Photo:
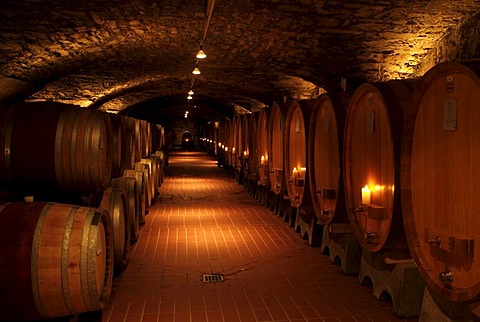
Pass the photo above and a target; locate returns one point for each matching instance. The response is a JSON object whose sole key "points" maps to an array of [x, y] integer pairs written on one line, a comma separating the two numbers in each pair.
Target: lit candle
{"points": [[366, 195], [295, 173], [226, 149], [233, 150], [244, 153], [219, 144], [262, 160]]}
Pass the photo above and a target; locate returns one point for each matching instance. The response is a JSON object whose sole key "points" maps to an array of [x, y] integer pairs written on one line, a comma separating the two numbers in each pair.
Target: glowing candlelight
{"points": [[233, 150], [295, 173], [226, 149], [302, 172], [366, 195], [244, 153], [262, 160]]}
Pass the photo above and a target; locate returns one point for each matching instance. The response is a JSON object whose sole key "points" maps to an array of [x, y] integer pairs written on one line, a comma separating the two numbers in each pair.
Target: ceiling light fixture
{"points": [[201, 54], [196, 71], [190, 92], [189, 97]]}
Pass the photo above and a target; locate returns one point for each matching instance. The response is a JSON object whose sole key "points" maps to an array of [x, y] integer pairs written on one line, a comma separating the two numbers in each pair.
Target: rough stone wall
{"points": [[113, 54], [460, 43]]}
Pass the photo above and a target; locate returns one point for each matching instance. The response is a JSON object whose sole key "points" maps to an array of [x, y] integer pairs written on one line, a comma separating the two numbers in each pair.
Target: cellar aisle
{"points": [[203, 222]]}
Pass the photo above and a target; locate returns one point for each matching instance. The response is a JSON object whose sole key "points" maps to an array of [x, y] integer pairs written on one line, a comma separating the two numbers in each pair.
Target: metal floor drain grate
{"points": [[212, 278]]}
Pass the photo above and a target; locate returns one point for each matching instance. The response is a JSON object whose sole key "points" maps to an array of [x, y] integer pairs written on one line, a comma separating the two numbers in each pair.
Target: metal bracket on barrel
{"points": [[447, 241]]}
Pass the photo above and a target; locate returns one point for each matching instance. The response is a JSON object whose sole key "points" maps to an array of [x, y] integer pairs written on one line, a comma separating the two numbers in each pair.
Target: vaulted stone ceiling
{"points": [[136, 56]]}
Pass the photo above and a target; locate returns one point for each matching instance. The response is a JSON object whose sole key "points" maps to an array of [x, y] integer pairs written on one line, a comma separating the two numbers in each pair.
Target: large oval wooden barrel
{"points": [[238, 143], [115, 202], [440, 179], [325, 158], [250, 150], [56, 259], [54, 146], [263, 146], [275, 151], [133, 207], [372, 155], [225, 139], [142, 185], [295, 154]]}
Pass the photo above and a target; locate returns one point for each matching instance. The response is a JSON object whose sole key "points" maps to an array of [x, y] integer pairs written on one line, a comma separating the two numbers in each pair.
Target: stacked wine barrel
{"points": [[86, 209]]}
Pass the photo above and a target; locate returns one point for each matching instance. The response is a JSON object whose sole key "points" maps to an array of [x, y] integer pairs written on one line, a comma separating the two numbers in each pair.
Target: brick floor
{"points": [[203, 222]]}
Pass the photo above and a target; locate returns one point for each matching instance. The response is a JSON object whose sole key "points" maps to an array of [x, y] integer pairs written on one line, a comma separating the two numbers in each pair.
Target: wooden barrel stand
{"points": [[396, 279], [342, 247]]}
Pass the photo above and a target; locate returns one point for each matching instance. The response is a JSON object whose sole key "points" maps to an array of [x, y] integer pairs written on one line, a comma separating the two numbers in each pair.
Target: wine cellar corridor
{"points": [[203, 222]]}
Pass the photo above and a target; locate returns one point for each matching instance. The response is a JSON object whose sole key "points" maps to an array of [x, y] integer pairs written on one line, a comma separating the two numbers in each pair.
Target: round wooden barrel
{"points": [[325, 158], [117, 141], [147, 174], [372, 155], [157, 169], [130, 139], [145, 138], [263, 146], [133, 207], [275, 149], [142, 185], [139, 137], [55, 146], [160, 156], [157, 137], [57, 260], [295, 154], [115, 202], [152, 171], [440, 158]]}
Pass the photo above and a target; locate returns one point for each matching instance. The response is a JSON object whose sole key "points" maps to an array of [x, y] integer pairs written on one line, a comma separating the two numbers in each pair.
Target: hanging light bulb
{"points": [[196, 71], [201, 54], [189, 97], [190, 92]]}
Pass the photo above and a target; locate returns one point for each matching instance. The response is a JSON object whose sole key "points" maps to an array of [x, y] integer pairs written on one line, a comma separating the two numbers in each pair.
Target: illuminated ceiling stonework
{"points": [[138, 55]]}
